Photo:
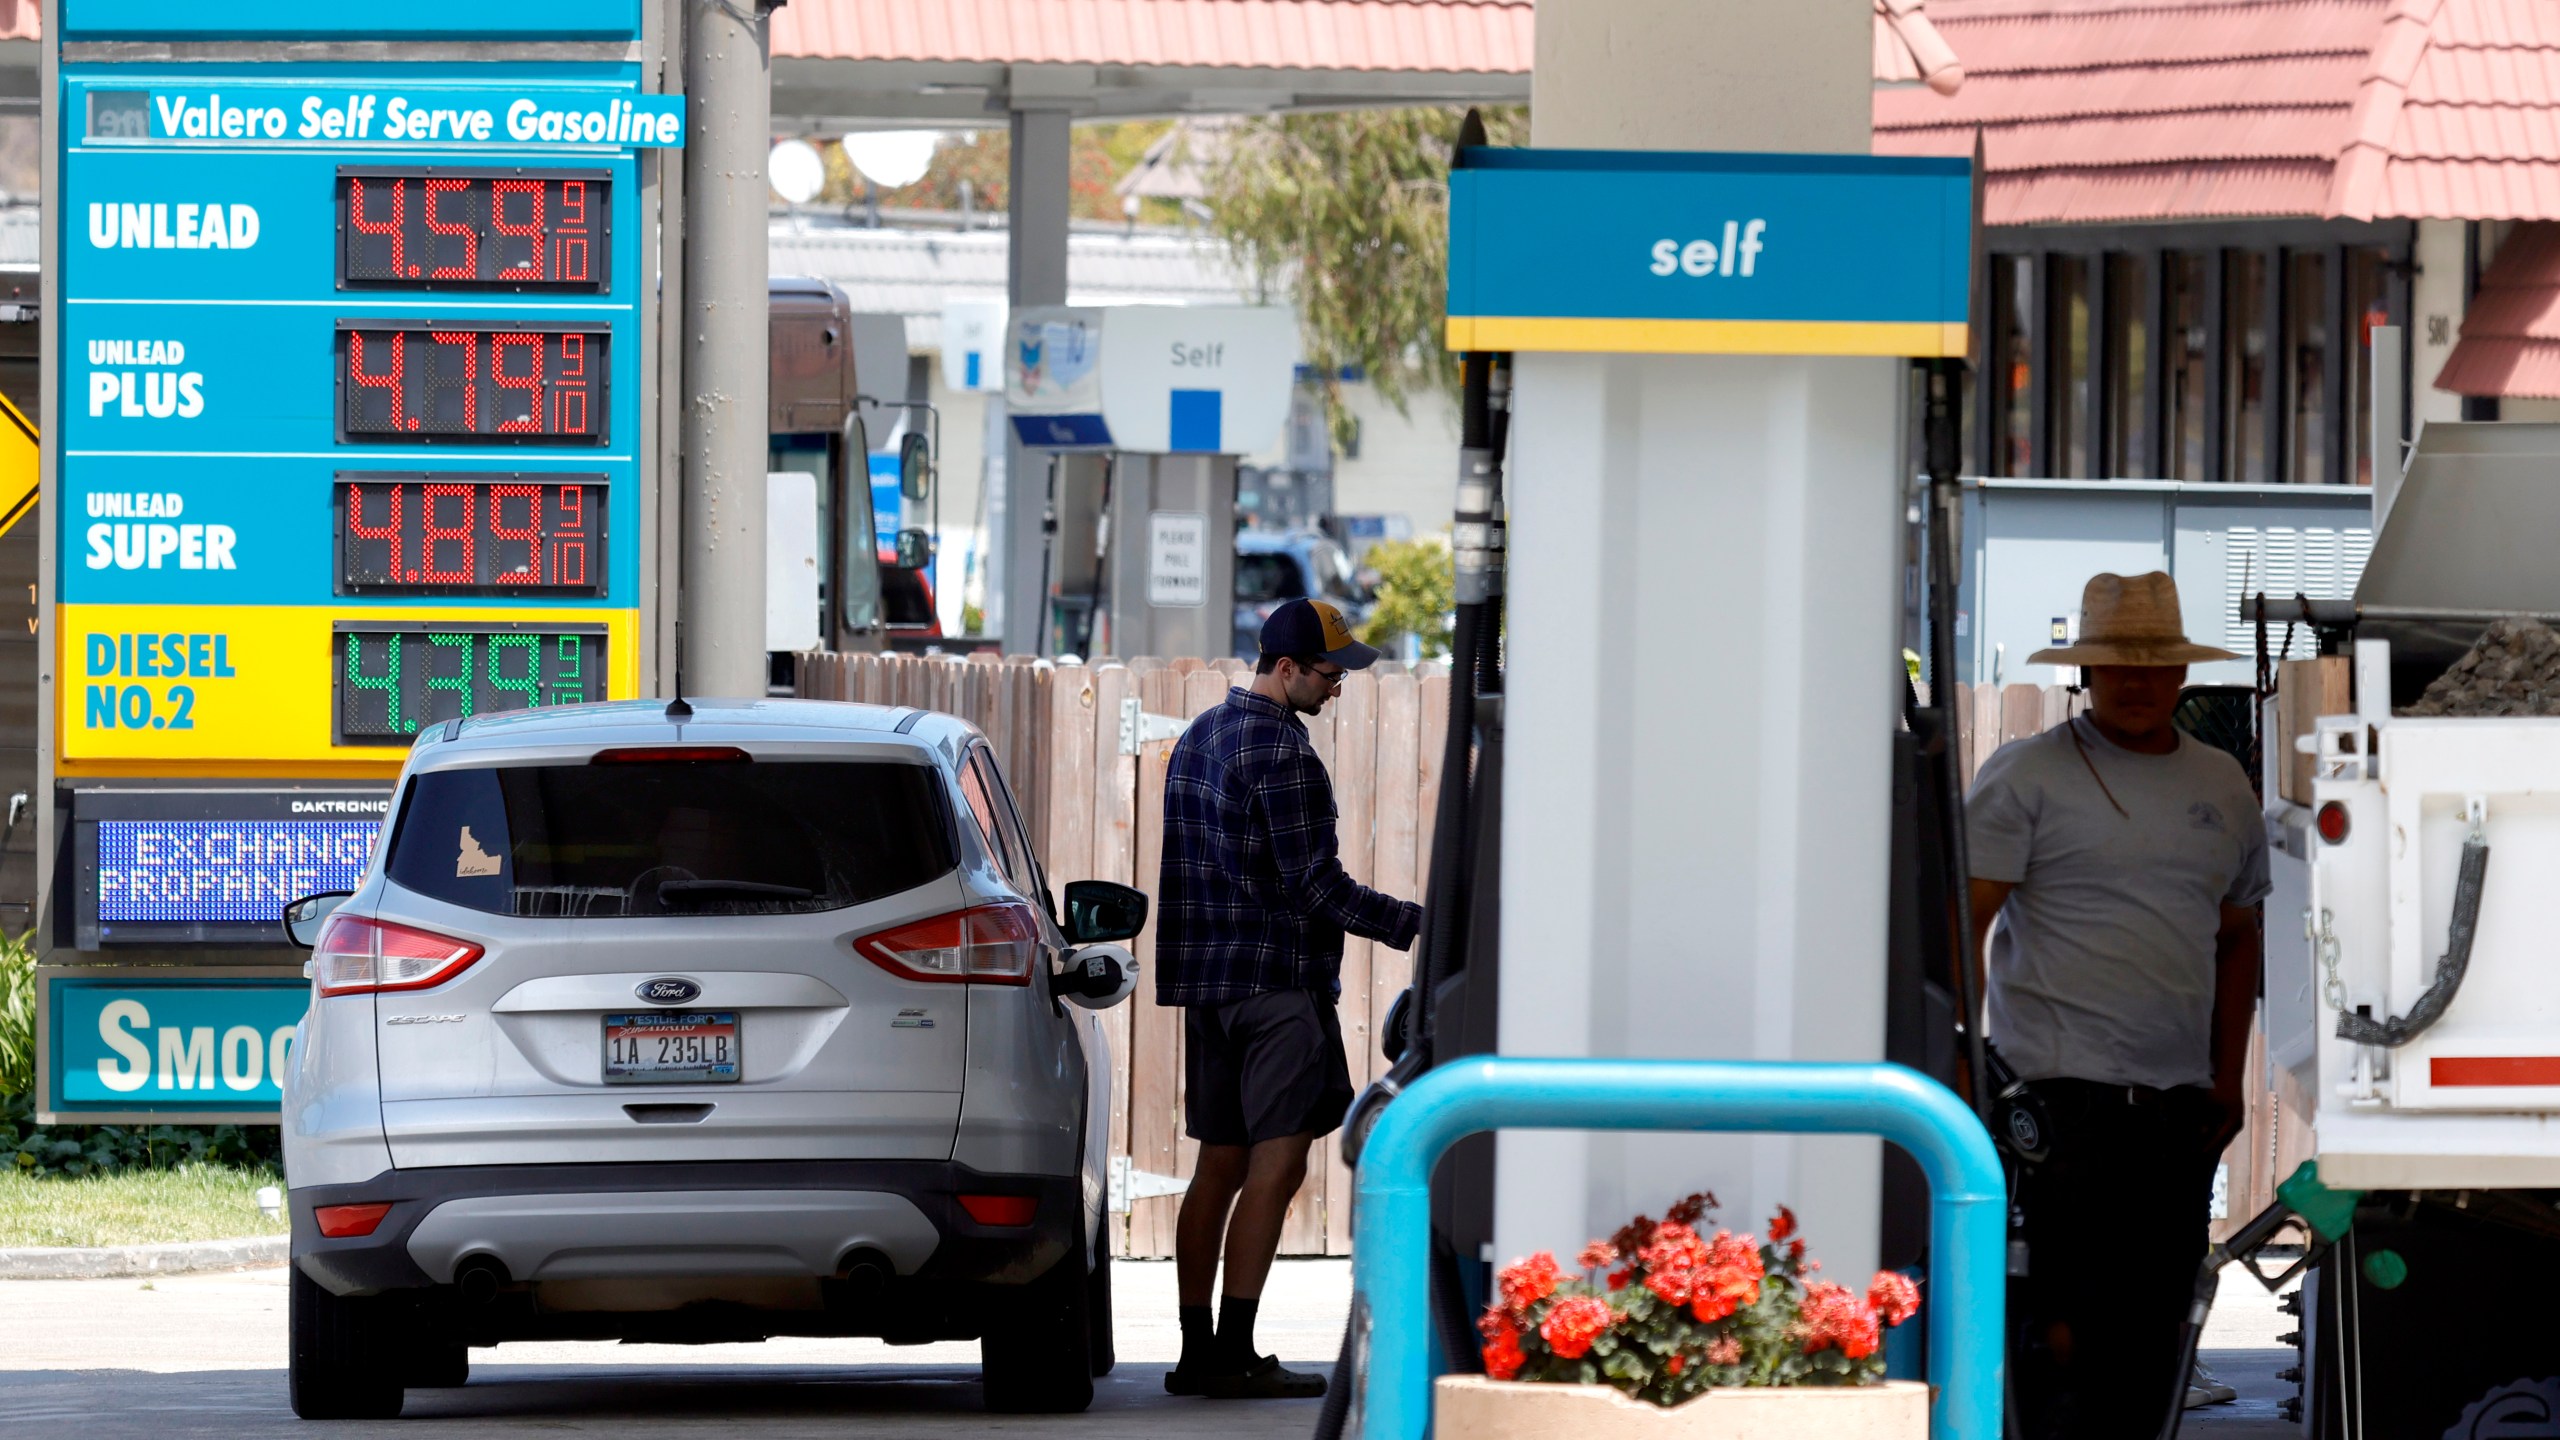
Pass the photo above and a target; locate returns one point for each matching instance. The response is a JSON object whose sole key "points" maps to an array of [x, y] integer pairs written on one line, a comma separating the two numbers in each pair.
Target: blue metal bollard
{"points": [[1391, 1241]]}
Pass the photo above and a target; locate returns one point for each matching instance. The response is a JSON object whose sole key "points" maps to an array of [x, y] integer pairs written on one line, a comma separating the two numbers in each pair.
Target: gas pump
{"points": [[1142, 413]]}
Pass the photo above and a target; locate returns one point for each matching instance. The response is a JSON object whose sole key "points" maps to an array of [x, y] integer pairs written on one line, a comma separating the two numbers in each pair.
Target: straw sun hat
{"points": [[2130, 620]]}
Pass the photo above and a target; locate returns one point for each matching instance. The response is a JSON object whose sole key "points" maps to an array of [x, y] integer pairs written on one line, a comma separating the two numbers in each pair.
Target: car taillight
{"points": [[357, 956], [996, 944], [341, 1222], [1001, 1209], [2332, 821]]}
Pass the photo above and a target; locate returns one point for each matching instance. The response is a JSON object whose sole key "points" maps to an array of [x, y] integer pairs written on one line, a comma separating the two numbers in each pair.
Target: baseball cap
{"points": [[1312, 627]]}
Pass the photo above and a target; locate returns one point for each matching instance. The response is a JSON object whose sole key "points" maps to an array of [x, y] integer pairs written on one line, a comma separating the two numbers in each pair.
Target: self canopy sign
{"points": [[1670, 253]]}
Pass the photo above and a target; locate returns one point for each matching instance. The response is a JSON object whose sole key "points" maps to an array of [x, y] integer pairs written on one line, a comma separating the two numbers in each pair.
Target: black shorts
{"points": [[1264, 1067]]}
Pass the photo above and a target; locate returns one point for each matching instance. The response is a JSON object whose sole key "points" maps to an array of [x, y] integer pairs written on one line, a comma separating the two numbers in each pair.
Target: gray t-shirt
{"points": [[2102, 967]]}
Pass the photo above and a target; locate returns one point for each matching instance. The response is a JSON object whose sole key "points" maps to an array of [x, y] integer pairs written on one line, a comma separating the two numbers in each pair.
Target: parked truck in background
{"points": [[2412, 989]]}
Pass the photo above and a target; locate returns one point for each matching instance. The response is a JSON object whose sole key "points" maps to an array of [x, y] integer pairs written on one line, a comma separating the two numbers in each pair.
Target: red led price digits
{"points": [[378, 225], [529, 533], [489, 385], [465, 499], [427, 534], [568, 554], [515, 229], [389, 380], [528, 194], [469, 269]]}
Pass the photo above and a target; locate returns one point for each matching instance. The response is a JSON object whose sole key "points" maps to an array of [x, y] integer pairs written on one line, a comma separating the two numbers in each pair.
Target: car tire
{"points": [[1037, 1356], [1106, 1352], [335, 1367]]}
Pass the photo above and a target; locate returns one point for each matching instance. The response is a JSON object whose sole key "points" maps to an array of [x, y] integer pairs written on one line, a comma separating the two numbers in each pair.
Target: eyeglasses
{"points": [[1329, 677]]}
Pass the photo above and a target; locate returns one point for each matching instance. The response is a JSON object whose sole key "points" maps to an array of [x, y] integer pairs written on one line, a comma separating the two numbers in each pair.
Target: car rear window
{"points": [[672, 838]]}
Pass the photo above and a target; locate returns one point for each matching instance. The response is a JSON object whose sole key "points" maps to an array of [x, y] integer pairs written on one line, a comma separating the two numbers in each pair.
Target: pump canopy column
{"points": [[1701, 657]]}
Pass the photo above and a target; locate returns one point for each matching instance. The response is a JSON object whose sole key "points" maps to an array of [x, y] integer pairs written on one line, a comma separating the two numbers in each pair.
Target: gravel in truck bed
{"points": [[2512, 669]]}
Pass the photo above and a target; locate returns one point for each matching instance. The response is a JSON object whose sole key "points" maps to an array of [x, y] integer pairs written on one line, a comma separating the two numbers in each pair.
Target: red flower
{"points": [[1690, 1209], [1893, 1296], [1677, 1363], [1502, 1357], [1672, 1261], [1526, 1282], [1729, 1279], [1795, 1249], [1573, 1324], [1618, 1278], [1782, 1225], [1598, 1255], [1833, 1316], [1724, 1350]]}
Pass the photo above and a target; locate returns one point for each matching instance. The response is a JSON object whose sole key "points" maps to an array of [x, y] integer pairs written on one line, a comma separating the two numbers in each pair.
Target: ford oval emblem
{"points": [[668, 990]]}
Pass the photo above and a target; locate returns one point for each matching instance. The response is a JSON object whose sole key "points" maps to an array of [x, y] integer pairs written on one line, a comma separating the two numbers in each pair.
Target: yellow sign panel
{"points": [[312, 690], [18, 466]]}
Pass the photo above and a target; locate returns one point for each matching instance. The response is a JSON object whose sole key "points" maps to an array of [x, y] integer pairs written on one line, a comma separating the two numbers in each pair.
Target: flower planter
{"points": [[1479, 1409]]}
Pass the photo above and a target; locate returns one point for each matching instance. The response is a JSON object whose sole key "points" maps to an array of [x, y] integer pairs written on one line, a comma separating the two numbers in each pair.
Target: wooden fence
{"points": [[2277, 1137], [1097, 813]]}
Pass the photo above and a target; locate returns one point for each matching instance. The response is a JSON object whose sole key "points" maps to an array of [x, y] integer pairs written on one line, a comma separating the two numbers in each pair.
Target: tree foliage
{"points": [[1098, 157], [1347, 214], [1417, 591]]}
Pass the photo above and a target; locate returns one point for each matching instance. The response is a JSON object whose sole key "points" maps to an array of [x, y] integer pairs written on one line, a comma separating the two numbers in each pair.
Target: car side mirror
{"points": [[915, 467], [1096, 977], [1099, 910], [304, 917], [915, 549]]}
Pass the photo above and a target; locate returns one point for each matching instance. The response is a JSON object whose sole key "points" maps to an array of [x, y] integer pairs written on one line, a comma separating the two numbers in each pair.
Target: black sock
{"points": [[1199, 1340], [1235, 1329]]}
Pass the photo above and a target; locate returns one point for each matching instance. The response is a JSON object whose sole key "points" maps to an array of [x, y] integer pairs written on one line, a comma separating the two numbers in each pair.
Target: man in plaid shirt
{"points": [[1251, 908]]}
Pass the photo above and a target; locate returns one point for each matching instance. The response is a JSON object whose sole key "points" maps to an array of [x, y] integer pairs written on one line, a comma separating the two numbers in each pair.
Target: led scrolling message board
{"points": [[486, 384]]}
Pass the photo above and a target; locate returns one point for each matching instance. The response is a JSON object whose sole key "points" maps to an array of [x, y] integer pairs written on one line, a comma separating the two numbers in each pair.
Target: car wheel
{"points": [[338, 1346], [1098, 1307], [1037, 1357]]}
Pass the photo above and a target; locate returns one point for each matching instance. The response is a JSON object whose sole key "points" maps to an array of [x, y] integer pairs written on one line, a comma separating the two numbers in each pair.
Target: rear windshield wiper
{"points": [[743, 889]]}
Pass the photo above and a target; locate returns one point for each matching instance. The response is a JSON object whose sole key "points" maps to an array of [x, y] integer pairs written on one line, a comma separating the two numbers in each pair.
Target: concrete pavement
{"points": [[203, 1355]]}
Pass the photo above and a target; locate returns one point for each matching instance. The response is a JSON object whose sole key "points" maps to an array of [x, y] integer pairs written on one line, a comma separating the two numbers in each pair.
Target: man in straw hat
{"points": [[2124, 863]]}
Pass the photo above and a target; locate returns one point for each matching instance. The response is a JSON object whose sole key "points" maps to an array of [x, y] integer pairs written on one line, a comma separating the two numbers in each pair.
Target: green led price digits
{"points": [[397, 678]]}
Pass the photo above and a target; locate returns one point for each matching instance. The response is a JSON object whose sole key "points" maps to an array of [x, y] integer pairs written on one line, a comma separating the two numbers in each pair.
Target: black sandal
{"points": [[1262, 1380]]}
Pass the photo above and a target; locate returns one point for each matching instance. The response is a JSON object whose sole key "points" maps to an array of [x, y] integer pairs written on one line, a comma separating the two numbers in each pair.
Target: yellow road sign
{"points": [[17, 466]]}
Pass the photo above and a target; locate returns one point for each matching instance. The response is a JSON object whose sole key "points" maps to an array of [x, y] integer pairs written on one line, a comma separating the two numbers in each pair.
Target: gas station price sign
{"points": [[434, 227], [397, 677], [501, 383], [464, 533]]}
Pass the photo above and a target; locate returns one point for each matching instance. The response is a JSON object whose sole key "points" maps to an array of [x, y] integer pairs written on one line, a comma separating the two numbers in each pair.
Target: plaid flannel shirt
{"points": [[1252, 895]]}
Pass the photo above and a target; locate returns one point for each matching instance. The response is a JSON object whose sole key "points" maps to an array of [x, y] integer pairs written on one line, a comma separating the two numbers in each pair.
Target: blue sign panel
{"points": [[120, 1042], [199, 870], [1599, 250], [329, 19]]}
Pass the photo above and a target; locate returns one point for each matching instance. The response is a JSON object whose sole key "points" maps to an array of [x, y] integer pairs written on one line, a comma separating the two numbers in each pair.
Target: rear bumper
{"points": [[761, 1219]]}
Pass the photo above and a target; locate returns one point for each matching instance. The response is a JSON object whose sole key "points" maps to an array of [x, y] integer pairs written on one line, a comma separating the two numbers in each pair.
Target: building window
{"points": [[2128, 338], [2182, 431], [2244, 368], [2306, 367], [2368, 306], [2012, 365], [2074, 401]]}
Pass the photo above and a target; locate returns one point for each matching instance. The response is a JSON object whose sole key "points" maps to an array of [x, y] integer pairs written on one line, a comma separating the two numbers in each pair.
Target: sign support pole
{"points": [[728, 84]]}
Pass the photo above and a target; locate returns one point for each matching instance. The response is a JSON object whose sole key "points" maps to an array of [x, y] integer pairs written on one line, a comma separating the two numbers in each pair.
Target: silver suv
{"points": [[689, 1025]]}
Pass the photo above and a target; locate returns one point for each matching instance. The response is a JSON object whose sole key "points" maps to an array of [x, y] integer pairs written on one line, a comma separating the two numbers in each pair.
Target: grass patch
{"points": [[135, 1207]]}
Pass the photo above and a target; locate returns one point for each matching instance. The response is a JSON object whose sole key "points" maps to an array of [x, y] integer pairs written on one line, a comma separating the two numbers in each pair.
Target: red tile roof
{"points": [[20, 20], [1480, 36], [2172, 109], [2511, 334]]}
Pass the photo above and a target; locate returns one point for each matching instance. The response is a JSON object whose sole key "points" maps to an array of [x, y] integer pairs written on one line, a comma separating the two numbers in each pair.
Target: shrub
{"points": [[1417, 594]]}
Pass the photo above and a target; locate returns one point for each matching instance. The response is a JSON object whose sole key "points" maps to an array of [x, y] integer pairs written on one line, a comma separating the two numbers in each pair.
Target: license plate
{"points": [[671, 1047]]}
